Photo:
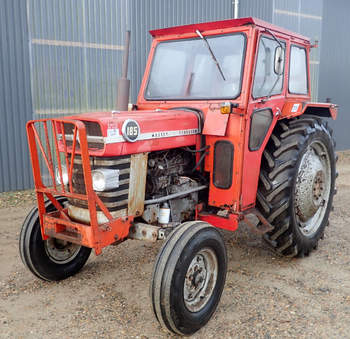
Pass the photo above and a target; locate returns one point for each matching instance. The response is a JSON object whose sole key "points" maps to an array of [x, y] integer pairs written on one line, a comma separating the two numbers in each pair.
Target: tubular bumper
{"points": [[46, 148]]}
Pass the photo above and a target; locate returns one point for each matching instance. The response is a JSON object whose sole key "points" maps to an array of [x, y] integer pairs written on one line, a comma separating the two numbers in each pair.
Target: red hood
{"points": [[158, 130]]}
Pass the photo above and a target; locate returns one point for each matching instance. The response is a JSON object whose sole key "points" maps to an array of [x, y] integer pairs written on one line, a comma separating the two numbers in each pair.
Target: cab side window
{"points": [[266, 81], [298, 70]]}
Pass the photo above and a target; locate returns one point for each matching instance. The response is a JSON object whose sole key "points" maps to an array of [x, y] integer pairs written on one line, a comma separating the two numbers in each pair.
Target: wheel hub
{"points": [[61, 251], [200, 279], [312, 188], [195, 277], [309, 186], [318, 187]]}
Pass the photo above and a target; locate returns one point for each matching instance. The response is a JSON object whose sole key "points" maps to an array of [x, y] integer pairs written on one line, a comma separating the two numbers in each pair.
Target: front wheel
{"points": [[51, 259], [189, 277]]}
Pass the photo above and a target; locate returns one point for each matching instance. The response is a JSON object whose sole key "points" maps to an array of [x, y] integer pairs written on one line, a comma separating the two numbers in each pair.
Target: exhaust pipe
{"points": [[123, 84]]}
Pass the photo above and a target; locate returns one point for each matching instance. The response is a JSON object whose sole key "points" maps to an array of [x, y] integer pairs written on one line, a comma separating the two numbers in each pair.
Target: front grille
{"points": [[93, 132], [115, 199]]}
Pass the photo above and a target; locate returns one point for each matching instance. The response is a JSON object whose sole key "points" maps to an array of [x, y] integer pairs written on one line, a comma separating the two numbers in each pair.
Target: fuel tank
{"points": [[129, 132]]}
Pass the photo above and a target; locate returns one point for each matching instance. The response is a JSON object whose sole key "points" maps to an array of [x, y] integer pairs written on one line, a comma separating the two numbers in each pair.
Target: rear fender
{"points": [[323, 110], [320, 109]]}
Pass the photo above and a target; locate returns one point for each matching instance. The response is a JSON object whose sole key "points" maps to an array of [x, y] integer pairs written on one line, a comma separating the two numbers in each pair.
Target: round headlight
{"points": [[64, 175], [98, 181], [105, 179]]}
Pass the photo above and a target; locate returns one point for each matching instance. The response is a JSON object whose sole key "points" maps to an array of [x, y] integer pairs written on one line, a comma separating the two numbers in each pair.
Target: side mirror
{"points": [[279, 60]]}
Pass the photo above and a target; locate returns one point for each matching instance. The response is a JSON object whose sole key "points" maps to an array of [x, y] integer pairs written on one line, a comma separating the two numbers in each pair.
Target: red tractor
{"points": [[223, 127]]}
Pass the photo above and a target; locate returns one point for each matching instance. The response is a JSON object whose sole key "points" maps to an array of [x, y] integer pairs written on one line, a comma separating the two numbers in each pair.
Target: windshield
{"points": [[185, 69]]}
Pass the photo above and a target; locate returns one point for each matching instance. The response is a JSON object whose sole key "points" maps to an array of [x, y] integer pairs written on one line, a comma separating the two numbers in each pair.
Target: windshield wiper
{"points": [[211, 53], [274, 37], [273, 87]]}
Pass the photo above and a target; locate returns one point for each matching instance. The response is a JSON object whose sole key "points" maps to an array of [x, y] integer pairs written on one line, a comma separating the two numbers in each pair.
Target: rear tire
{"points": [[296, 184], [188, 277], [50, 259]]}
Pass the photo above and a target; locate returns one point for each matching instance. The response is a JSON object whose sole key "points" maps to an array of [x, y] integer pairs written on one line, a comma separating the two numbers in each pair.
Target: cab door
{"points": [[265, 105]]}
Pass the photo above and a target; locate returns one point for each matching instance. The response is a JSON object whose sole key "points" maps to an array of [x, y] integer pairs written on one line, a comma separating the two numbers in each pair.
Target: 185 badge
{"points": [[130, 130]]}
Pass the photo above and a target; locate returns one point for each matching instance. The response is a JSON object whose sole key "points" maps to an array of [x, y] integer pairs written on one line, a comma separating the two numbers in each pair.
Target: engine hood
{"points": [[130, 132]]}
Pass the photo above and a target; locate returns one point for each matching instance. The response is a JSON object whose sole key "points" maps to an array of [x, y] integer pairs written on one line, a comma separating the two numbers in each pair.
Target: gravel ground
{"points": [[265, 296]]}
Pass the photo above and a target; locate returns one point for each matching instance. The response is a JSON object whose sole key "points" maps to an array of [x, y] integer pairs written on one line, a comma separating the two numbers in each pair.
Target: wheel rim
{"points": [[312, 189], [61, 251], [200, 279]]}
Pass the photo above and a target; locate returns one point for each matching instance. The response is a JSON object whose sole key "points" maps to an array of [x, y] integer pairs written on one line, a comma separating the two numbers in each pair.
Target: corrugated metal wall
{"points": [[261, 9], [76, 46], [76, 53], [15, 96], [335, 66]]}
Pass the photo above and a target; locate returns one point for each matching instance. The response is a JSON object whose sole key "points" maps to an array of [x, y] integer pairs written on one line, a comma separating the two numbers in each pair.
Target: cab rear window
{"points": [[298, 70]]}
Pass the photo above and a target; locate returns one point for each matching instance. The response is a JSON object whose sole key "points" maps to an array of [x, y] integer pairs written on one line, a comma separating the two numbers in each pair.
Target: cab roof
{"points": [[206, 26]]}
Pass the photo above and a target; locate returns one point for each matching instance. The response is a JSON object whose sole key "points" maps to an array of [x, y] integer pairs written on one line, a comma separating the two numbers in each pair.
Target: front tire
{"points": [[51, 259], [296, 185], [188, 277]]}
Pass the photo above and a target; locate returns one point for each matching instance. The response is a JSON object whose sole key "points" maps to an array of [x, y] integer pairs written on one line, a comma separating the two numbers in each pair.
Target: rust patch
{"points": [[141, 231], [137, 183]]}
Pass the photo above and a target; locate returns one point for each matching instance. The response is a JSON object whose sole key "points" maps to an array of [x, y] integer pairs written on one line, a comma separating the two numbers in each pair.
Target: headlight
{"points": [[64, 175], [105, 179]]}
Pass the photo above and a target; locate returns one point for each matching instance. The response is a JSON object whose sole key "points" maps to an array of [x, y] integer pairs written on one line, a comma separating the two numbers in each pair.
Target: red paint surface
{"points": [[230, 223], [206, 26], [149, 122]]}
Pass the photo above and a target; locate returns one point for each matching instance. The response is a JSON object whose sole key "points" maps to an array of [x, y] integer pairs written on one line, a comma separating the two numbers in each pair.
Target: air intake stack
{"points": [[123, 84]]}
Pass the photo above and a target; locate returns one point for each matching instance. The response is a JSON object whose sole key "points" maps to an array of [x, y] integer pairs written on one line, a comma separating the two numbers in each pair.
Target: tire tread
{"points": [[276, 180]]}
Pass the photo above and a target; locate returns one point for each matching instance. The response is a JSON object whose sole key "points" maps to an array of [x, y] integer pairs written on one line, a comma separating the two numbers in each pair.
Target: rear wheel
{"points": [[51, 259], [296, 185], [188, 277]]}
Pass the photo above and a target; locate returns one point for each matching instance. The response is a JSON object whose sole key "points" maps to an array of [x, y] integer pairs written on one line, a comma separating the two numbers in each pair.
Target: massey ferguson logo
{"points": [[165, 134], [159, 134], [130, 130]]}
